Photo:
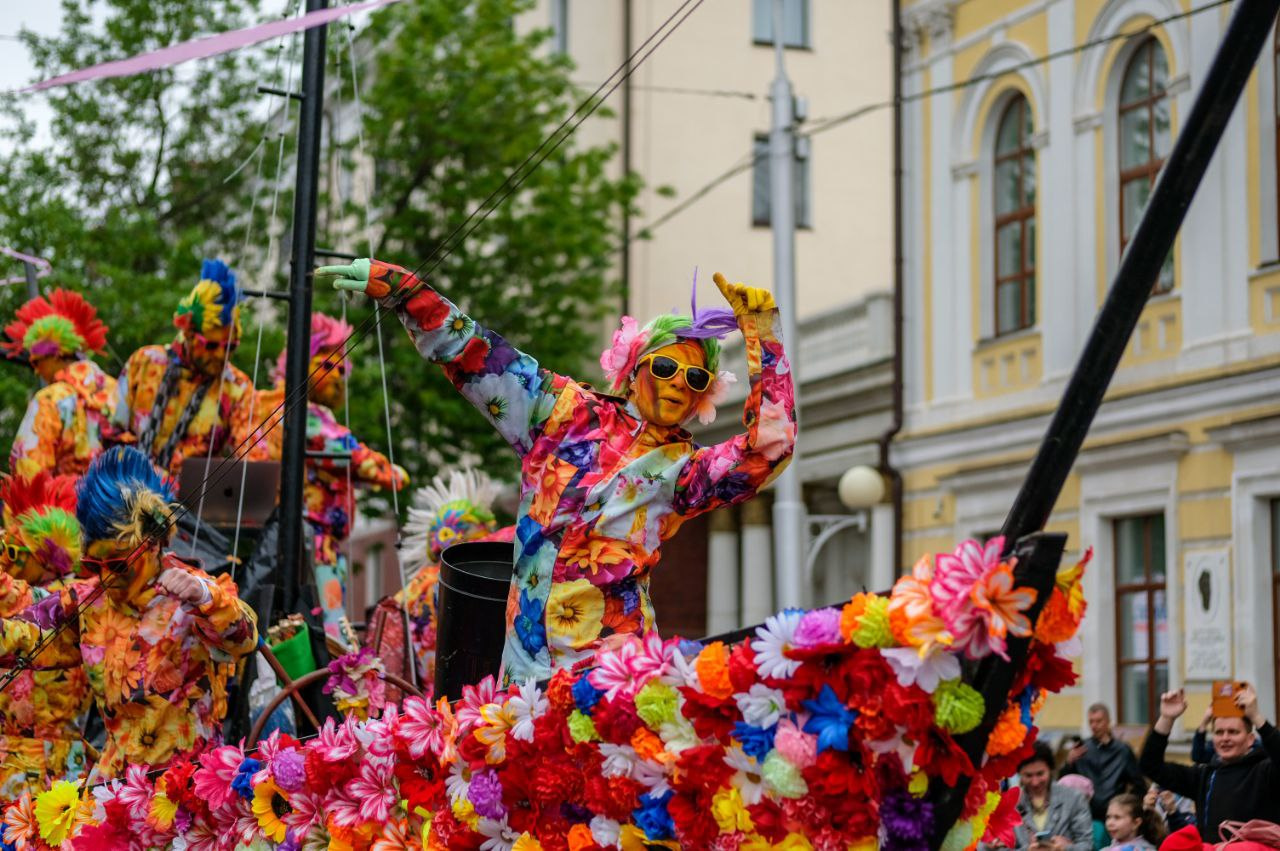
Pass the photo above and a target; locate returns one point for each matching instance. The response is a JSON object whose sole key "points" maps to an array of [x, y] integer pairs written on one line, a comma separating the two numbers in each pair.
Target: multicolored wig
{"points": [[707, 328], [444, 514], [40, 513], [122, 497], [63, 325], [327, 333], [212, 303]]}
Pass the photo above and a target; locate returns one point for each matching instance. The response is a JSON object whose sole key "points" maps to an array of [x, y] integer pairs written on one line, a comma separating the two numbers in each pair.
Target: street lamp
{"points": [[860, 489]]}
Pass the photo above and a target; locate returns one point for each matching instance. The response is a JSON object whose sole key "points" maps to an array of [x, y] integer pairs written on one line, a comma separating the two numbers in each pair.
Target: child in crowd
{"points": [[1131, 827]]}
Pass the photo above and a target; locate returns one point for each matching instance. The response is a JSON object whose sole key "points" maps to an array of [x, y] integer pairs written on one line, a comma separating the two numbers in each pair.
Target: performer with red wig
{"points": [[67, 419], [346, 463]]}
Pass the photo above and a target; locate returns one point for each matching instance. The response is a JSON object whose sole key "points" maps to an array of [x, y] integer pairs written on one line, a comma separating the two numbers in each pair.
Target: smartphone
{"points": [[1043, 836], [1224, 699]]}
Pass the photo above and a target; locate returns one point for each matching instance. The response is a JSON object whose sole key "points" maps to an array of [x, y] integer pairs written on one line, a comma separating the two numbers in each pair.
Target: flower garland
{"points": [[822, 732], [355, 681]]}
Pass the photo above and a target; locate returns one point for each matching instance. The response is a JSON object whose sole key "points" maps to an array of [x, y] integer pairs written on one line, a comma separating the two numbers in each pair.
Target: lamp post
{"points": [[861, 489]]}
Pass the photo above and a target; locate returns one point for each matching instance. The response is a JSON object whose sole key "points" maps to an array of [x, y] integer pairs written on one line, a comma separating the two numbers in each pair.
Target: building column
{"points": [[757, 561], [722, 572], [882, 572]]}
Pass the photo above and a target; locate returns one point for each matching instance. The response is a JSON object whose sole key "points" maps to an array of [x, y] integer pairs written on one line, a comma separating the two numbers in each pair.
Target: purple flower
{"points": [[818, 627], [289, 768], [907, 822], [485, 793]]}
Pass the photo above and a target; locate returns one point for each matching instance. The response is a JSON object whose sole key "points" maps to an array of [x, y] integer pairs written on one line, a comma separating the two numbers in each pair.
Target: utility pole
{"points": [[291, 572], [788, 503], [33, 287]]}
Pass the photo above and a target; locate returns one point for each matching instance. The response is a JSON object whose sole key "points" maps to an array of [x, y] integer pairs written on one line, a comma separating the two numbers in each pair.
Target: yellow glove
{"points": [[744, 299]]}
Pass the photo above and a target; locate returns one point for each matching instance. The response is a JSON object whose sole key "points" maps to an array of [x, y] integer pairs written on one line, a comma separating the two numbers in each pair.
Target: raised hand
{"points": [[1173, 704], [184, 586], [744, 299], [1247, 700], [353, 277]]}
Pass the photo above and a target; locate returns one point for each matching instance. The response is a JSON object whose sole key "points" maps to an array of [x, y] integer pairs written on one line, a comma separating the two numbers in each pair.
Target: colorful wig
{"points": [[444, 514], [64, 325], [122, 497], [213, 303], [40, 513], [631, 343], [327, 333]]}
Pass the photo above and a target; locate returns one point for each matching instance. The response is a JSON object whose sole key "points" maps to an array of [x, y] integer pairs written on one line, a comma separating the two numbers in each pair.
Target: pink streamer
{"points": [[201, 48], [43, 267]]}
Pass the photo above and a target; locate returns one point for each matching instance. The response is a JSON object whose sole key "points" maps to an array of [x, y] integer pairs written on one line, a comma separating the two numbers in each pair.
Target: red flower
{"points": [[428, 309], [473, 354], [1005, 818], [742, 666], [710, 716], [694, 825], [907, 706], [769, 820], [560, 691], [836, 775], [614, 797], [323, 777], [420, 784], [942, 757], [616, 721], [701, 769], [113, 833], [556, 781]]}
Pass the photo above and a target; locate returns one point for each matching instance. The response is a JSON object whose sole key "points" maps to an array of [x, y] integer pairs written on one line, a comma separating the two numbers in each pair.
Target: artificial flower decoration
{"points": [[355, 681], [63, 325], [814, 734]]}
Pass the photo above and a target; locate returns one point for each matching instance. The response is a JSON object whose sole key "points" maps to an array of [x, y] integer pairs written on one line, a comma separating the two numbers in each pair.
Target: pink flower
{"points": [[799, 748], [374, 788], [819, 628], [615, 672], [421, 728], [218, 768], [619, 360], [307, 810], [137, 792], [344, 809], [957, 573], [383, 732], [474, 697], [334, 743], [714, 397], [653, 657]]}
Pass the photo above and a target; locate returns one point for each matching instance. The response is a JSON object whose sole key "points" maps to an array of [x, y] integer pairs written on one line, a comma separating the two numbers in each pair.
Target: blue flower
{"points": [[831, 720], [585, 695], [755, 741], [1024, 700], [652, 816], [529, 534], [243, 782], [529, 627]]}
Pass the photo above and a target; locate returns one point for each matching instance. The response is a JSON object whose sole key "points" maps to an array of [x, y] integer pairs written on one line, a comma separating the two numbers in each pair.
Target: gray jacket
{"points": [[1068, 816]]}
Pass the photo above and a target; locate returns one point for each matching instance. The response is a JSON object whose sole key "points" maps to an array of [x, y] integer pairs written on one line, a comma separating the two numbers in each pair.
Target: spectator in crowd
{"points": [[1176, 810], [1243, 783], [1084, 786], [1107, 761], [1054, 817], [1133, 826]]}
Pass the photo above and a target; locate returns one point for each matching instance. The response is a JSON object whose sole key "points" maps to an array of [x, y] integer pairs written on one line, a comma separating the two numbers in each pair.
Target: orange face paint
{"points": [[668, 401]]}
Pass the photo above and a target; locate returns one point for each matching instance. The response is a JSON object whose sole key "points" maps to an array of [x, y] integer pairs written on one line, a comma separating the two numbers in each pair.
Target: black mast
{"points": [[291, 569]]}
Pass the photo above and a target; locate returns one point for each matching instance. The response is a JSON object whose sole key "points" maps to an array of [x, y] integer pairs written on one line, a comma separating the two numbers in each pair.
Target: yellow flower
{"points": [[269, 805], [498, 719], [526, 843], [730, 813], [575, 613], [870, 843], [56, 811], [163, 812], [794, 842]]}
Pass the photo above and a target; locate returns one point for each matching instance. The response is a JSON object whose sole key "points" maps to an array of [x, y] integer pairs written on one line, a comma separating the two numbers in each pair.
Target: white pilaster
{"points": [[757, 562], [722, 574]]}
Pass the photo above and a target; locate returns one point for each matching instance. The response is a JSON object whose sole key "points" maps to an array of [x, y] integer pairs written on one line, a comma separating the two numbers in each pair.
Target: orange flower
{"points": [[1004, 604], [648, 746], [851, 614], [580, 838], [1009, 733], [20, 822], [911, 599], [712, 666], [552, 481]]}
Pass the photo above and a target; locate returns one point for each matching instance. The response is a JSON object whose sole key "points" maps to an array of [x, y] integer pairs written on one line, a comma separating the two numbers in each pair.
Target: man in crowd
{"points": [[1243, 783], [1108, 762]]}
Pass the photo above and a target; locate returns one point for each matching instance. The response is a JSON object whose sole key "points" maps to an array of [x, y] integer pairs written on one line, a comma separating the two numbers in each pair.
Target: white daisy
{"points": [[925, 670], [458, 781], [526, 706], [748, 780], [761, 706], [500, 837], [773, 640], [619, 760]]}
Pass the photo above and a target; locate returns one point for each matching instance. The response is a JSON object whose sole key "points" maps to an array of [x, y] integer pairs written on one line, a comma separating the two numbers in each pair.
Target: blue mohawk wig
{"points": [[220, 273], [123, 497]]}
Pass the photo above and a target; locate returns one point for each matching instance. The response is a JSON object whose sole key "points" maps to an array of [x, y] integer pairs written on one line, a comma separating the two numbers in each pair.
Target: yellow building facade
{"points": [[1033, 130]]}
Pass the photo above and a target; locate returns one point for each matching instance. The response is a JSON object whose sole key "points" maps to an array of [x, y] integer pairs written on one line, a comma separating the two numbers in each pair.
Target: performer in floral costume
{"points": [[42, 710], [604, 479], [443, 514], [329, 489], [180, 399], [67, 419], [159, 637]]}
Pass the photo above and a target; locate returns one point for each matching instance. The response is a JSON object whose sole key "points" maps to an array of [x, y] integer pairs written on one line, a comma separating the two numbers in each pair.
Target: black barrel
{"points": [[474, 580]]}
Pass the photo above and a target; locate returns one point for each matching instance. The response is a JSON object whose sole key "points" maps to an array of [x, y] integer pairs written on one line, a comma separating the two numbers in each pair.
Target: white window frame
{"points": [[762, 23]]}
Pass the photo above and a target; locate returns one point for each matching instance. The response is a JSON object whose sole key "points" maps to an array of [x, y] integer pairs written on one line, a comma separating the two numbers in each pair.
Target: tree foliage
{"points": [[457, 99]]}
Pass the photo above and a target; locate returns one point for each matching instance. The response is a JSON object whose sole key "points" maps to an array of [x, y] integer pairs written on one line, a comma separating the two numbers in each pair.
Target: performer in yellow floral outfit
{"points": [[604, 479], [345, 462], [42, 710], [159, 637], [179, 400], [68, 418]]}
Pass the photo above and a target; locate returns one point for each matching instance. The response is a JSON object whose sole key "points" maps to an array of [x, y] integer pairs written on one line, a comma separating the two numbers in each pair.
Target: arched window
{"points": [[1015, 219], [1145, 139]]}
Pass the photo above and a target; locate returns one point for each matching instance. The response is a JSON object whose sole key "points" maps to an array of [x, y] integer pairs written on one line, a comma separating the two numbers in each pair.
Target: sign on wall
{"points": [[1206, 594]]}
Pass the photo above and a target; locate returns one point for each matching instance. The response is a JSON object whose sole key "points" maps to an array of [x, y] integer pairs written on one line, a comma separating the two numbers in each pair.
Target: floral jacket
{"points": [[158, 667], [42, 710], [223, 415], [601, 488], [65, 423], [329, 496]]}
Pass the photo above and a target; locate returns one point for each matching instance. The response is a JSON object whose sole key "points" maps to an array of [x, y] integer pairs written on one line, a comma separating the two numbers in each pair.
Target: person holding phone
{"points": [[1242, 784], [1054, 817]]}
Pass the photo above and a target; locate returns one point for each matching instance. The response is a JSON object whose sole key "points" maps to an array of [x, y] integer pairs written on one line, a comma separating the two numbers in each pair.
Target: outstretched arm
{"points": [[506, 385], [732, 472]]}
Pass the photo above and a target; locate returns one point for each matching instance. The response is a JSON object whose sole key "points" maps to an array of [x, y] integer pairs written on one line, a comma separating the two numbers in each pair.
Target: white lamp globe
{"points": [[861, 487]]}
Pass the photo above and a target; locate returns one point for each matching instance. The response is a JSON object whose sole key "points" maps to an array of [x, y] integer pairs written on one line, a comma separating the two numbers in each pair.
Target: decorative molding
{"points": [[1040, 140], [1247, 434], [960, 171], [1085, 123], [1130, 453], [935, 18], [1179, 84]]}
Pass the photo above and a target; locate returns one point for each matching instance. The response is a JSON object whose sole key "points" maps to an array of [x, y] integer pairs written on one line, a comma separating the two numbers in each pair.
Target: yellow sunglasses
{"points": [[661, 366]]}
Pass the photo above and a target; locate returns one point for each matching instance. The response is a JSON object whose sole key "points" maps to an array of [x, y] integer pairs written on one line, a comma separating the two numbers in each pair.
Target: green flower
{"points": [[656, 704]]}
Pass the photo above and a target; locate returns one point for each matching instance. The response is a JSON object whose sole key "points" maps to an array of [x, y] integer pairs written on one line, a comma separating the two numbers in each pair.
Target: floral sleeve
{"points": [[122, 417], [368, 465], [506, 385], [734, 471], [35, 446], [225, 623]]}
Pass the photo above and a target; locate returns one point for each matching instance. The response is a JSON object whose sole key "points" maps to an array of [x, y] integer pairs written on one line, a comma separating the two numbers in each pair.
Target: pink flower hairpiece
{"points": [[619, 360]]}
